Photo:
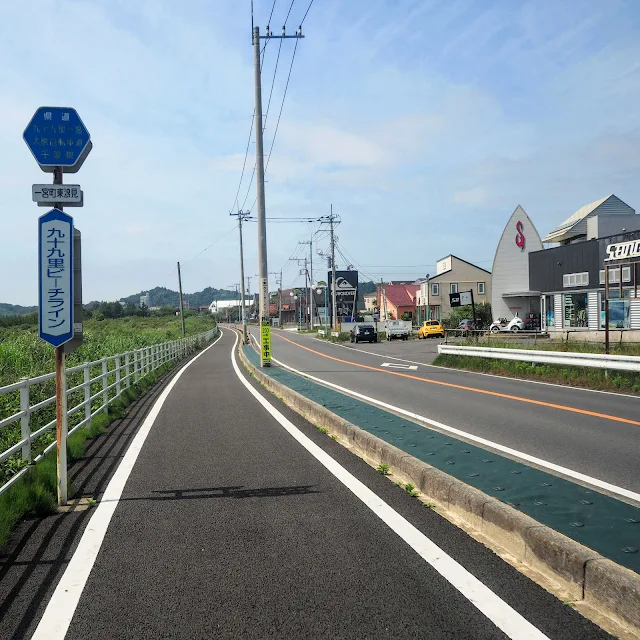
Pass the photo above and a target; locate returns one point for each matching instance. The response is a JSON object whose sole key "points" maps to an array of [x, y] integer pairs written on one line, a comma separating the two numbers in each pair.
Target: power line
{"points": [[286, 86], [289, 12], [224, 235], [273, 6], [273, 81], [305, 13], [246, 153], [275, 133]]}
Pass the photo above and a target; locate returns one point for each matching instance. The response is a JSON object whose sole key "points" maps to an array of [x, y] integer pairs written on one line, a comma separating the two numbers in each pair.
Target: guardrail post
{"points": [[87, 392], [135, 366], [127, 370], [25, 428], [118, 387], [105, 384]]}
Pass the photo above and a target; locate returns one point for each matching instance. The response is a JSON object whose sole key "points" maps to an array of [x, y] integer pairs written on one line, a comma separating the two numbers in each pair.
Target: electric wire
{"points": [[306, 12], [246, 154]]}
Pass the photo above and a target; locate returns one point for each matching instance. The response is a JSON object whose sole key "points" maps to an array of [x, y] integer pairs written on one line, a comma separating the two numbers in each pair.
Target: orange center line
{"points": [[451, 385]]}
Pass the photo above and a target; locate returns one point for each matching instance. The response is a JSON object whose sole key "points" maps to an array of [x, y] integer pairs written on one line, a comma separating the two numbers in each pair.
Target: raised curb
{"points": [[581, 572]]}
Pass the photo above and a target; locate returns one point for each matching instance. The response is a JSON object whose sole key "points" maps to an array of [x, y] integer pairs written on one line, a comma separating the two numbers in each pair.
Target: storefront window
{"points": [[549, 311], [619, 310], [575, 310]]}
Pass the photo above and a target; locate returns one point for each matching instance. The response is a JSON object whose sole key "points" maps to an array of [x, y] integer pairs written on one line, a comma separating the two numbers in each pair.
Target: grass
{"points": [[585, 377], [411, 490], [383, 469], [35, 494], [24, 355]]}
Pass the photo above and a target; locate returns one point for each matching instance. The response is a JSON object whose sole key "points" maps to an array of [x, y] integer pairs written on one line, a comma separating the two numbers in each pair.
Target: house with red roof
{"points": [[401, 297]]}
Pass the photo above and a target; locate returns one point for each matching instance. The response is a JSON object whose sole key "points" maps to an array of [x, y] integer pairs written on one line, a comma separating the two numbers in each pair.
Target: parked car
{"points": [[396, 329], [502, 324], [468, 326], [364, 333], [430, 328]]}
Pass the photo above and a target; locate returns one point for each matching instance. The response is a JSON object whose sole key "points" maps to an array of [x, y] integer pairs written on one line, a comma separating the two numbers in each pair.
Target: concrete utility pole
{"points": [[184, 331], [333, 272], [263, 270], [262, 223], [310, 274], [242, 216]]}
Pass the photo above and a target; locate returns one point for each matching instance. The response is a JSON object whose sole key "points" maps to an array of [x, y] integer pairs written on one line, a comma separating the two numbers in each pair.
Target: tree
{"points": [[457, 314]]}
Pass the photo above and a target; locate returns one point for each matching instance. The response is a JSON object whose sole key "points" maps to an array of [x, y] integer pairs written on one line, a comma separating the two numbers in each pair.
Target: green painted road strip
{"points": [[608, 526]]}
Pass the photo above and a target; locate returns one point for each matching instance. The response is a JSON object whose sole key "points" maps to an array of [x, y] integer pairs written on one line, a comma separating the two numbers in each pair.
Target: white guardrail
{"points": [[594, 360], [116, 374]]}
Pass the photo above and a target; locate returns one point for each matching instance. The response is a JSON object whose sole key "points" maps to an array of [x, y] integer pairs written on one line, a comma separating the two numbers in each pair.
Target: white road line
{"points": [[481, 373], [404, 367], [487, 602], [570, 473], [59, 612]]}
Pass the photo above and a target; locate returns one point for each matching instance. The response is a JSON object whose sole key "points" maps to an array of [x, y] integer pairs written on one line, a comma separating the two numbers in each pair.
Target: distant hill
{"points": [[15, 309], [163, 297]]}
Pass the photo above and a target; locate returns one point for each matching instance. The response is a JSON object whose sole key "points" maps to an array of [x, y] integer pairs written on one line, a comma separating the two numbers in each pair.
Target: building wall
{"points": [[466, 276], [547, 267], [510, 271]]}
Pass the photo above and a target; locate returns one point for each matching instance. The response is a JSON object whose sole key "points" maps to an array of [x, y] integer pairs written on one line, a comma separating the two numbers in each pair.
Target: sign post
{"points": [[265, 325], [266, 344], [463, 299], [60, 143]]}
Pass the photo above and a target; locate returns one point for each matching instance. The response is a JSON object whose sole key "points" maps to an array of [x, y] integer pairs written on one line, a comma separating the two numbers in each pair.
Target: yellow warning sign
{"points": [[266, 343]]}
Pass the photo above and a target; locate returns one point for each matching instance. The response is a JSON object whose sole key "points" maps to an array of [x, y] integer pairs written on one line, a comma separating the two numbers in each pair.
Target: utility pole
{"points": [[332, 220], [262, 224], [184, 331], [242, 216], [310, 274], [279, 283]]}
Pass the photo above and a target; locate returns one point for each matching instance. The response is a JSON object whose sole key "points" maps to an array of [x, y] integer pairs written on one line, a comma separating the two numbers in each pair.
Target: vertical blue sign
{"points": [[55, 277]]}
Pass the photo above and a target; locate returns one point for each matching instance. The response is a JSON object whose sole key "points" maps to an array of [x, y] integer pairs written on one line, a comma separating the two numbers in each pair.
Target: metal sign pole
{"points": [[61, 401], [59, 142], [606, 309]]}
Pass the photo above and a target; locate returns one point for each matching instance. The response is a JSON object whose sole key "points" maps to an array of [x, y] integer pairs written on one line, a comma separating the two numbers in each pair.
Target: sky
{"points": [[424, 123]]}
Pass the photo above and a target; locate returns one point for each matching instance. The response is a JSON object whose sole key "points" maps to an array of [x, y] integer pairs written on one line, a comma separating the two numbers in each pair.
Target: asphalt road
{"points": [[228, 527], [578, 429]]}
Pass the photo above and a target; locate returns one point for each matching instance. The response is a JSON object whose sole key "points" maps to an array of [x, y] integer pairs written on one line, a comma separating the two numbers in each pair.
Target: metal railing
{"points": [[88, 394], [593, 360]]}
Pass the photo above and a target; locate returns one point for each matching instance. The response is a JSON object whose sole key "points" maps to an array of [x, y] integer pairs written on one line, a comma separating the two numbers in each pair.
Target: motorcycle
{"points": [[503, 324]]}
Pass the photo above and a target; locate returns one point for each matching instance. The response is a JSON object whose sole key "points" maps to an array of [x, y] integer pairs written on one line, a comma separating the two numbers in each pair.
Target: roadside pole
{"points": [[334, 318], [473, 309], [62, 427], [242, 216], [60, 143], [184, 331]]}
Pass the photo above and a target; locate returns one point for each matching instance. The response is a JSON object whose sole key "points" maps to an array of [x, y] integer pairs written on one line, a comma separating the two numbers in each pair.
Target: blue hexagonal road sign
{"points": [[58, 138]]}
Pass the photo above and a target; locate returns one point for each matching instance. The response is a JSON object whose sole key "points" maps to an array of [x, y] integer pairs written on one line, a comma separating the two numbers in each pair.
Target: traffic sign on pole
{"points": [[55, 277], [57, 137], [67, 195]]}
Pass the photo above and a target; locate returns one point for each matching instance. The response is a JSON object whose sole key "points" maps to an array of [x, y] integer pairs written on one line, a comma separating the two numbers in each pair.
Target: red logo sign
{"points": [[520, 236]]}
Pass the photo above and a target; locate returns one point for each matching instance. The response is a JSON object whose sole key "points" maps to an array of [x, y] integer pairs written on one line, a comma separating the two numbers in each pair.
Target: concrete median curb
{"points": [[580, 573]]}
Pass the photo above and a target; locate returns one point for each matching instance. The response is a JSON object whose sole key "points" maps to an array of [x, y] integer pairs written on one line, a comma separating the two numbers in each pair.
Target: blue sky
{"points": [[423, 122]]}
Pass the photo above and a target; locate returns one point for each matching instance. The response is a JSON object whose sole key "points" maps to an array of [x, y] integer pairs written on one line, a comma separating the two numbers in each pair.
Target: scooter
{"points": [[503, 324]]}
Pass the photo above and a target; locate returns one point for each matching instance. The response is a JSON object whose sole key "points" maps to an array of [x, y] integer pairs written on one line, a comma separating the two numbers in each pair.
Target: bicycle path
{"points": [[239, 519]]}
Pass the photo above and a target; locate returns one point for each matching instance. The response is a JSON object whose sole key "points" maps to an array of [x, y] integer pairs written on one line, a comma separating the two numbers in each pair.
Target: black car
{"points": [[364, 333]]}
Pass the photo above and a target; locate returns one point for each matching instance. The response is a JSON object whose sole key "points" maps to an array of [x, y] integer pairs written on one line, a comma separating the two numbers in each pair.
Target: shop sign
{"points": [[520, 239], [623, 250]]}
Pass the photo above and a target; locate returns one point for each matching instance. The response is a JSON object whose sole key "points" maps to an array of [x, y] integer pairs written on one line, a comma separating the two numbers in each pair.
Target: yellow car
{"points": [[430, 328]]}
